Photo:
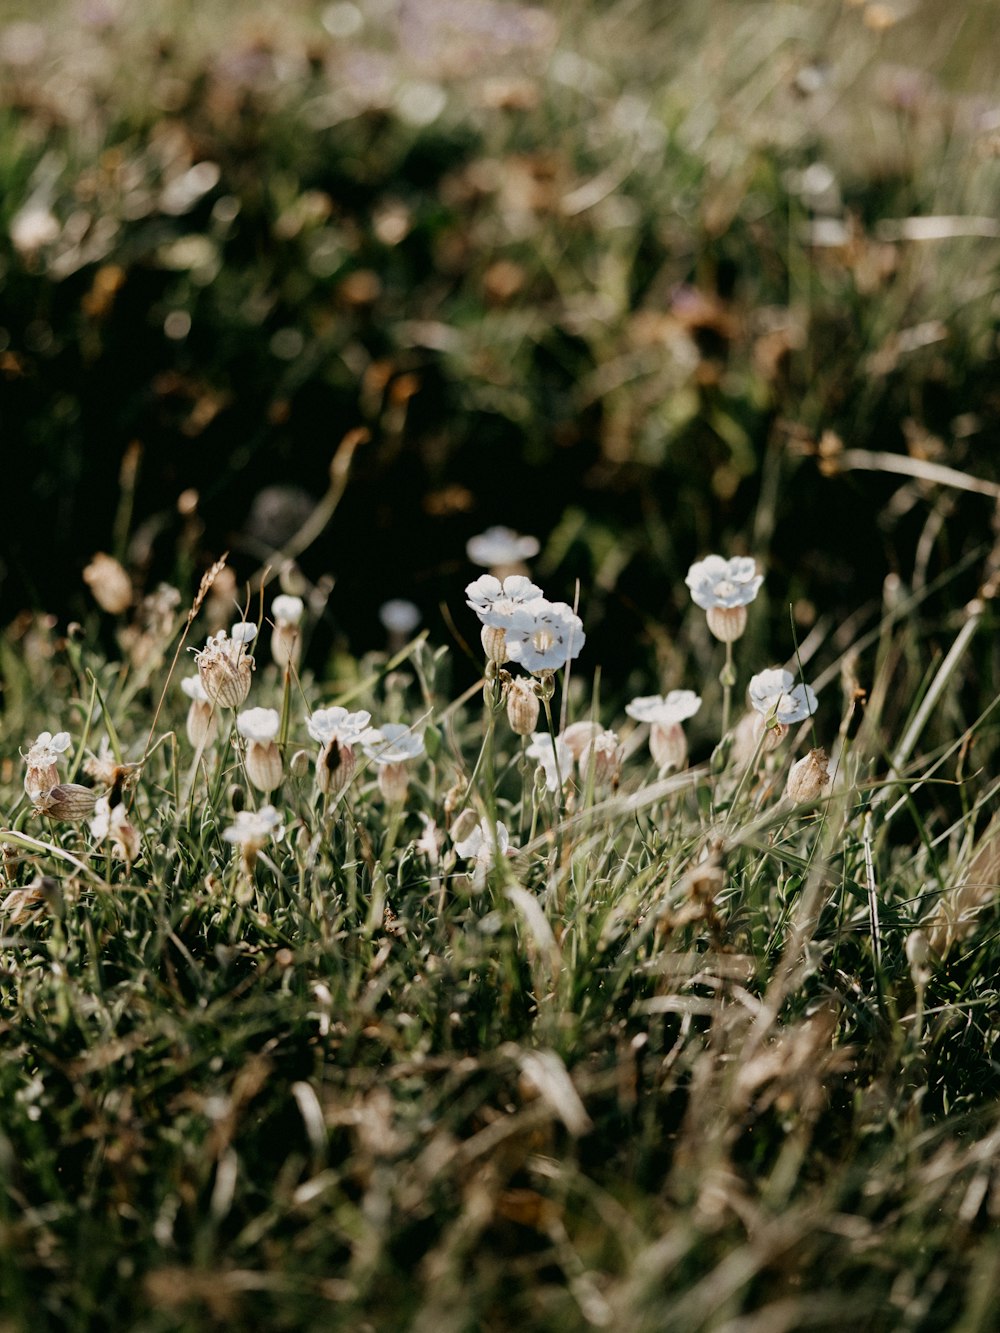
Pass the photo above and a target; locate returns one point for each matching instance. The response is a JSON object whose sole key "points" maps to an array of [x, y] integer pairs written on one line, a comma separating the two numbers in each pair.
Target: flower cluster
{"points": [[521, 625], [724, 589]]}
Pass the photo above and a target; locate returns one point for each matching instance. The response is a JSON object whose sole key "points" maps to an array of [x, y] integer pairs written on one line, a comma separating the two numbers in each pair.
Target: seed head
{"points": [[808, 777], [225, 667], [522, 705]]}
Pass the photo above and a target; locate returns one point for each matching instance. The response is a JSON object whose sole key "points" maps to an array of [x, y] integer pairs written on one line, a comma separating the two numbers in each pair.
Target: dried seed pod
{"points": [[224, 667], [66, 800], [494, 641], [226, 680], [522, 707], [109, 583], [808, 778]]}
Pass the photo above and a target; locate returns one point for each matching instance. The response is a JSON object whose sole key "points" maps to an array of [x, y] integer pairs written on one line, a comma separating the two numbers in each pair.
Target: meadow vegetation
{"points": [[499, 958]]}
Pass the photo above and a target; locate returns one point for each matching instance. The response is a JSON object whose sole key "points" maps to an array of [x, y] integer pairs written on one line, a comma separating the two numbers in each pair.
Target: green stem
{"points": [[727, 679]]}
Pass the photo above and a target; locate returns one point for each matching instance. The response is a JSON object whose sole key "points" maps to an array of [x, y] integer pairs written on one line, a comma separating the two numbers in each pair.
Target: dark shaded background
{"points": [[636, 380]]}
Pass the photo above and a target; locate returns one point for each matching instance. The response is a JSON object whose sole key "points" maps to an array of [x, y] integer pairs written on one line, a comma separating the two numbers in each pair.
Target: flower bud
{"points": [[109, 583], [393, 782], [263, 764], [522, 707], [335, 767], [226, 680], [298, 765], [494, 641], [727, 623], [808, 777], [668, 745], [66, 800]]}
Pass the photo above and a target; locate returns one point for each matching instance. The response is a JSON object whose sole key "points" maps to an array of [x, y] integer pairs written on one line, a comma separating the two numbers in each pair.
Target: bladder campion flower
{"points": [[42, 762], [604, 753], [259, 728], [665, 713], [555, 758], [112, 821], [544, 635], [338, 731], [202, 724], [776, 697], [494, 602], [286, 637], [479, 840], [399, 619], [500, 547], [251, 832], [724, 589], [392, 747]]}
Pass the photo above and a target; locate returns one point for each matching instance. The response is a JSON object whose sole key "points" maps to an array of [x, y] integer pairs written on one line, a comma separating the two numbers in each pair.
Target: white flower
{"points": [[336, 723], [46, 749], [495, 602], [774, 694], [393, 743], [543, 635], [286, 609], [483, 842], [113, 821], [677, 706], [604, 754], [42, 762], [193, 688], [555, 759], [33, 228], [254, 827], [243, 633], [717, 582], [500, 546], [258, 724], [398, 616]]}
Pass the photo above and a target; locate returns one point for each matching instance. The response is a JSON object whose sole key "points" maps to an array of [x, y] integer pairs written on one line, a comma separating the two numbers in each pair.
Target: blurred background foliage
{"points": [[638, 279]]}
